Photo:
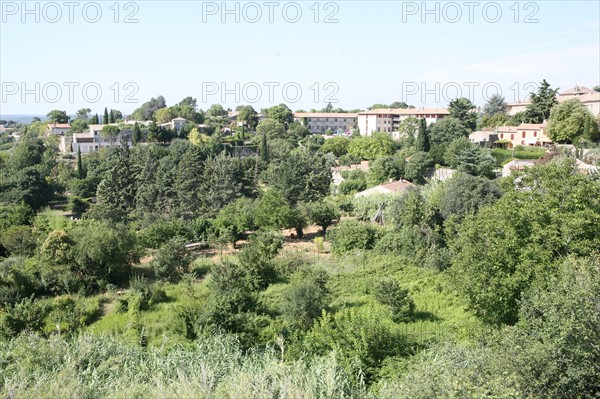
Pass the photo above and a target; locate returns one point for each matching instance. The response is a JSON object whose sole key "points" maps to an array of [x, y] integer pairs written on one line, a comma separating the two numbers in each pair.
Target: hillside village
{"points": [[396, 251], [300, 200]]}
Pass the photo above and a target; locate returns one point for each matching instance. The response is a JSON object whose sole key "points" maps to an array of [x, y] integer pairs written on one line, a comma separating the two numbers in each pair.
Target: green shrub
{"points": [[27, 315], [352, 186], [305, 298], [18, 240], [389, 292], [351, 235], [171, 260], [361, 338]]}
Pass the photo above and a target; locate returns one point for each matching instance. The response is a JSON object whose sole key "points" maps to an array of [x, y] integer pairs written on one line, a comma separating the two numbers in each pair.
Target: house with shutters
{"points": [[526, 134]]}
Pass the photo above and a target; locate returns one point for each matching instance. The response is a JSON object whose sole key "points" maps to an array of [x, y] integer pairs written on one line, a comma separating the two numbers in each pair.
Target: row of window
{"points": [[523, 135], [332, 119]]}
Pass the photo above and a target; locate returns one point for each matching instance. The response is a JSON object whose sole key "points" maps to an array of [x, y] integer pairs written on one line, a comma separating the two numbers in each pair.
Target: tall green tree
{"points": [[95, 120], [110, 133], [105, 120], [264, 150], [57, 116], [282, 114], [549, 213], [116, 192], [423, 142], [137, 134], [80, 171], [495, 105], [568, 122], [301, 177], [111, 117], [248, 116], [83, 113], [542, 103], [464, 110]]}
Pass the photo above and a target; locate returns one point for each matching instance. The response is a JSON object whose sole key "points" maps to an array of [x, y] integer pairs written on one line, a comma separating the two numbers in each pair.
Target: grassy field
{"points": [[504, 156]]}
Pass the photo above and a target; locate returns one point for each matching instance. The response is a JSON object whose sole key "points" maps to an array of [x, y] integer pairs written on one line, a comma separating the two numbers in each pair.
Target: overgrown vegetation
{"points": [[187, 270]]}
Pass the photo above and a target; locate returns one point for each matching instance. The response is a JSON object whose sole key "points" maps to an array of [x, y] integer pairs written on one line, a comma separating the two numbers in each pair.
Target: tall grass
{"points": [[90, 366]]}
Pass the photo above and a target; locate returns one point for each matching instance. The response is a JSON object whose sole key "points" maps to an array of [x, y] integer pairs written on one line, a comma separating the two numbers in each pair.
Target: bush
{"points": [[257, 258], [417, 167], [305, 297], [351, 235], [78, 205], [18, 240], [160, 231], [389, 292], [361, 338], [352, 186], [27, 315], [171, 260]]}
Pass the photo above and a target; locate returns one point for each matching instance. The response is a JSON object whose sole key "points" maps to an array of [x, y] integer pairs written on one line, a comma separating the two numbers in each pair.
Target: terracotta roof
{"points": [[59, 125], [584, 98], [324, 115], [576, 91], [532, 126], [506, 129]]}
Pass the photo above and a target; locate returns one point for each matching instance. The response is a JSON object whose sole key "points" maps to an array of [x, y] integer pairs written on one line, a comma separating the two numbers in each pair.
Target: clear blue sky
{"points": [[377, 51]]}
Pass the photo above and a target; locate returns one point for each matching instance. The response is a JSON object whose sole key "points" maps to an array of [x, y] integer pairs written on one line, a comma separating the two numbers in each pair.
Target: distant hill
{"points": [[19, 118]]}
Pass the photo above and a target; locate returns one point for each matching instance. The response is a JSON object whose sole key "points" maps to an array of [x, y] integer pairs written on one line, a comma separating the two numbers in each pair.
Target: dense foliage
{"points": [[223, 261]]}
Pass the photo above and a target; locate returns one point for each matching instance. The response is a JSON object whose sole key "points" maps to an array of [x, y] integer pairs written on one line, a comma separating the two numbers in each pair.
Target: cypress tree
{"points": [[137, 134], [95, 120], [105, 118], [586, 128], [264, 150], [423, 137], [80, 173], [111, 117]]}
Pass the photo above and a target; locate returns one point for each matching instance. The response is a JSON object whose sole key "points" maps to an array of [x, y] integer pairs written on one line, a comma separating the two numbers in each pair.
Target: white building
{"points": [[320, 122], [389, 120], [92, 140], [58, 129], [176, 124], [483, 137]]}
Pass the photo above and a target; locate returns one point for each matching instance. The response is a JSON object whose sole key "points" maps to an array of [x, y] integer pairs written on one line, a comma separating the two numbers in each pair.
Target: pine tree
{"points": [[264, 150], [137, 134], [105, 118], [111, 117], [541, 103], [423, 137], [586, 128], [80, 173]]}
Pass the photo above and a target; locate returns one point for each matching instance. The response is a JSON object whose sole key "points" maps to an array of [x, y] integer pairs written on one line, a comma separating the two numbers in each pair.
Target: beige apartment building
{"points": [[320, 122], [389, 120], [589, 98]]}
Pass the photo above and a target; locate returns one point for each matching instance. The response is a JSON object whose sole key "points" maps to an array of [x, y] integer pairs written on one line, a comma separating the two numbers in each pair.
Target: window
{"points": [[534, 134], [512, 136], [501, 135], [523, 134]]}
